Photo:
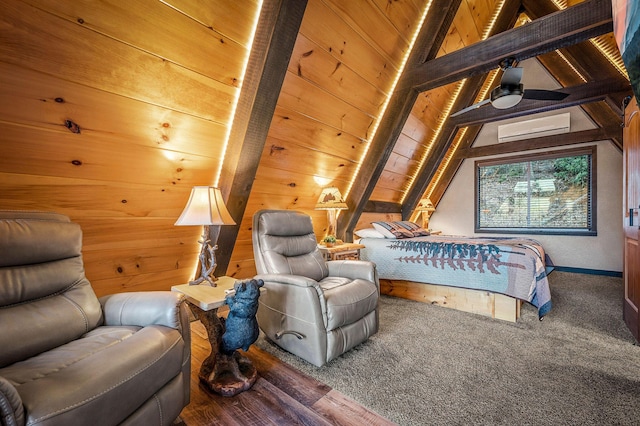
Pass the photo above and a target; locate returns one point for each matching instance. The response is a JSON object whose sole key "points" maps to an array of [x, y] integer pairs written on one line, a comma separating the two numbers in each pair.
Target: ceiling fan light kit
{"points": [[510, 91], [506, 97]]}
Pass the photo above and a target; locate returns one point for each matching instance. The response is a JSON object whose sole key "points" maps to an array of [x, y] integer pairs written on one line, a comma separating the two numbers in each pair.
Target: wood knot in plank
{"points": [[73, 127], [275, 149], [338, 65]]}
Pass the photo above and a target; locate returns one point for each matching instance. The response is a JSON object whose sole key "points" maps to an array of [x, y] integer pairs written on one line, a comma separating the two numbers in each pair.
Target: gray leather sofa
{"points": [[69, 358], [314, 309]]}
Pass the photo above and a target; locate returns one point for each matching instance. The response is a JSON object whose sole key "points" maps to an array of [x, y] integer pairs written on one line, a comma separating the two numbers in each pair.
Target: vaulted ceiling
{"points": [[539, 34], [416, 146], [112, 111]]}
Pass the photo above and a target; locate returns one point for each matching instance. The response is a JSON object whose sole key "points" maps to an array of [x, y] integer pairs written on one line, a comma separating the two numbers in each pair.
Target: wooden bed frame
{"points": [[481, 302]]}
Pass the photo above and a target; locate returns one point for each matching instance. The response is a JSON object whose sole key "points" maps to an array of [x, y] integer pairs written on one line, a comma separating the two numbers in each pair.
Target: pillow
{"points": [[368, 233], [392, 229], [415, 229]]}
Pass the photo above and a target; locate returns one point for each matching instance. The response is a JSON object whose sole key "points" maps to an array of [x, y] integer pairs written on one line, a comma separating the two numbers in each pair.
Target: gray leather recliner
{"points": [[314, 309], [69, 358]]}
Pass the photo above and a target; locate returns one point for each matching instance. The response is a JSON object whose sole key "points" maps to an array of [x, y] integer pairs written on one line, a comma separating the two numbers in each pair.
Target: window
{"points": [[551, 193]]}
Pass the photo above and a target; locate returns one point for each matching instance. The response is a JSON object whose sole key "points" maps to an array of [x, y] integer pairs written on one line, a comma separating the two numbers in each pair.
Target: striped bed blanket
{"points": [[511, 266]]}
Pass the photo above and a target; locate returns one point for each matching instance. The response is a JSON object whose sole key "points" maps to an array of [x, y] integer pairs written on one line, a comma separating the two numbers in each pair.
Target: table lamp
{"points": [[205, 207], [331, 200], [426, 207]]}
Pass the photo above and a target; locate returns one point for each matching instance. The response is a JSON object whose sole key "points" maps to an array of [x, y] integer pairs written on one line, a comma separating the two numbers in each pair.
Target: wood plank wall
{"points": [[415, 140], [342, 68], [150, 86], [146, 88]]}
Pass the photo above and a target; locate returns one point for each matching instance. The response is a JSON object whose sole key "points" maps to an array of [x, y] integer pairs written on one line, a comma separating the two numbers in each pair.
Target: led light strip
{"points": [[564, 58], [612, 54], [445, 162], [256, 18], [489, 83], [388, 99], [448, 108], [492, 22], [441, 121]]}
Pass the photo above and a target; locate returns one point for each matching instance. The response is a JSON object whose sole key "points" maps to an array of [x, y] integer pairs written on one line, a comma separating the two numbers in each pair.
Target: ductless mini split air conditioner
{"points": [[545, 126]]}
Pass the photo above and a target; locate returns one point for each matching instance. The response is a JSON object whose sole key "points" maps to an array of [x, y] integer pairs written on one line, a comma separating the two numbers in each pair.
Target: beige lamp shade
{"points": [[425, 208], [205, 207], [425, 205], [331, 199]]}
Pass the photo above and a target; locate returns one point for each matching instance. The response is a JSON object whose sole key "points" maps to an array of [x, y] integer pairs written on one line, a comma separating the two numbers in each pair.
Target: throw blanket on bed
{"points": [[511, 266]]}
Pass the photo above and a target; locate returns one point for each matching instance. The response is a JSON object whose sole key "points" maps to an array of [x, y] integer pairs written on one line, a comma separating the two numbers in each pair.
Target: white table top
{"points": [[206, 297]]}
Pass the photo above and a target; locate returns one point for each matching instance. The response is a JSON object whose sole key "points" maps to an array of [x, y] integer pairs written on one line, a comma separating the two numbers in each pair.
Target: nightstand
{"points": [[345, 251]]}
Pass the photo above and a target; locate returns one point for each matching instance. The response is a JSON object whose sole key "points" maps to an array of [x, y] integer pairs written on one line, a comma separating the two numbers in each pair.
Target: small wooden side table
{"points": [[225, 374], [345, 251]]}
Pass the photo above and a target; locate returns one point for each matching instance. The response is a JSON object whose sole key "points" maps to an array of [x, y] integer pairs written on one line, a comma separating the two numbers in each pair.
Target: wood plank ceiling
{"points": [[112, 111], [541, 36], [405, 156]]}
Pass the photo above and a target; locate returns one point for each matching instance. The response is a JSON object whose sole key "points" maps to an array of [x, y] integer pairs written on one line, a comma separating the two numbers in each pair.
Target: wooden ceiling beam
{"points": [[452, 168], [578, 95], [559, 29], [431, 36], [439, 149], [589, 62], [382, 207], [553, 141], [273, 44], [583, 93], [506, 20], [604, 114], [564, 28]]}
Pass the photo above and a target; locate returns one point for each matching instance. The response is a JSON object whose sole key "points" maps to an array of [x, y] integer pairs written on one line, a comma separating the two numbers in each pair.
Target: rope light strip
{"points": [[254, 28], [388, 99], [610, 52], [484, 91], [436, 134]]}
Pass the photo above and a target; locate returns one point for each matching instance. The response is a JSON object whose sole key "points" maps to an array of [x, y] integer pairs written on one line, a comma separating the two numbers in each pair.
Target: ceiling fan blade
{"points": [[511, 76], [471, 108], [544, 95]]}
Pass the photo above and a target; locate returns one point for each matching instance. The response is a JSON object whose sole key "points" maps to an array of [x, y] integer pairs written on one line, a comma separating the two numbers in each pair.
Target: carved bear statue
{"points": [[241, 324]]}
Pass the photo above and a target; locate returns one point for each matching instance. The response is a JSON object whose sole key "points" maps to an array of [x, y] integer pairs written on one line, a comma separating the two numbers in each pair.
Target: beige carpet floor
{"points": [[430, 365]]}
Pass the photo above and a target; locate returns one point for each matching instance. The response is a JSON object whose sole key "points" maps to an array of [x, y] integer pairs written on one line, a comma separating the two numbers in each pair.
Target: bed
{"points": [[490, 276]]}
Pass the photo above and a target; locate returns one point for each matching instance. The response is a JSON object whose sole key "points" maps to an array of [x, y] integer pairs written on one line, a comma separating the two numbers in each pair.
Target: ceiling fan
{"points": [[511, 91]]}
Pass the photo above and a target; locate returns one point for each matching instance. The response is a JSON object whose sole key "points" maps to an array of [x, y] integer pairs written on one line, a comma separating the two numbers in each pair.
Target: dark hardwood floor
{"points": [[282, 395]]}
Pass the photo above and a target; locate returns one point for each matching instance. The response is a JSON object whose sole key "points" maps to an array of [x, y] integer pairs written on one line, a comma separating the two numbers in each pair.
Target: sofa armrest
{"points": [[354, 269], [296, 280], [143, 308], [11, 408]]}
